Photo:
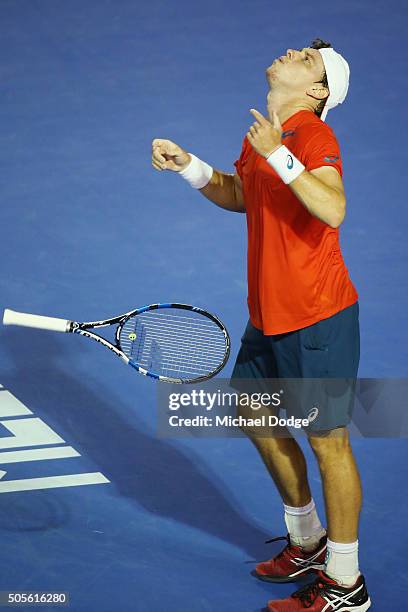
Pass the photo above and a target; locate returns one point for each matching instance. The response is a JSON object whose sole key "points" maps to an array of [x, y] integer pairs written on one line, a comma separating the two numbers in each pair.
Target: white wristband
{"points": [[198, 173], [285, 164]]}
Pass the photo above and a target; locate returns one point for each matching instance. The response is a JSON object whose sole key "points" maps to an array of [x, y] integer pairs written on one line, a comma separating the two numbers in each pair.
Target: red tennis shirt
{"points": [[296, 272]]}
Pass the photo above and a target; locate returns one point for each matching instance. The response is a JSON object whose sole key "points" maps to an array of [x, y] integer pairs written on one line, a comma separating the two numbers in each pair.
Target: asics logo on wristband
{"points": [[285, 164]]}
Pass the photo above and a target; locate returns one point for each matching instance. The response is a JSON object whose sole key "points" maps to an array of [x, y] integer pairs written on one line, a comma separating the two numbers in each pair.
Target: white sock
{"points": [[342, 562], [304, 526]]}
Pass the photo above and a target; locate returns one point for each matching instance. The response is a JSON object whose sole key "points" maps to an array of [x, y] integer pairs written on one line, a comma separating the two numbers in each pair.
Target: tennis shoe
{"points": [[292, 563], [325, 595]]}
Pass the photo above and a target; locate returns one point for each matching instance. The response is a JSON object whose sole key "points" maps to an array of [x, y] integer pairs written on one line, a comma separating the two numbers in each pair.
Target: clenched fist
{"points": [[167, 155]]}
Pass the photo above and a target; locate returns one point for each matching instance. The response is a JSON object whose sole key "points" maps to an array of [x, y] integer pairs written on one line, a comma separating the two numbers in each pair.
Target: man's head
{"points": [[301, 76]]}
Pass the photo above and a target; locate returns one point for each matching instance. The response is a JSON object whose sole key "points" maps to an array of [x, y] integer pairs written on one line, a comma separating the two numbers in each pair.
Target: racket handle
{"points": [[12, 317]]}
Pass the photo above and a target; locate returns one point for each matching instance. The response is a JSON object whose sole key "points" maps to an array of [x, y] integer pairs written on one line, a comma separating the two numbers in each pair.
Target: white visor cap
{"points": [[338, 75]]}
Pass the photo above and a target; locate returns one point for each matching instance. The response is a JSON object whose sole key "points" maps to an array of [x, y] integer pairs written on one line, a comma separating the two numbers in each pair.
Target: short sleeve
{"points": [[322, 149], [238, 162]]}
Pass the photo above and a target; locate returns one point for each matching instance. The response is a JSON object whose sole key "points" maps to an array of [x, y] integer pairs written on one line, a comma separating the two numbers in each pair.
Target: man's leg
{"points": [[341, 484], [343, 496], [286, 464], [280, 453], [306, 547]]}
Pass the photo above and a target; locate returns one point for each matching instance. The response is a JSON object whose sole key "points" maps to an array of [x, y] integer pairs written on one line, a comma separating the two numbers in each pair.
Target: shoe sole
{"points": [[361, 608], [283, 579]]}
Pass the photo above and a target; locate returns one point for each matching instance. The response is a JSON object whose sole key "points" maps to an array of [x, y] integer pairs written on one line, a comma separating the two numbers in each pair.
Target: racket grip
{"points": [[11, 317]]}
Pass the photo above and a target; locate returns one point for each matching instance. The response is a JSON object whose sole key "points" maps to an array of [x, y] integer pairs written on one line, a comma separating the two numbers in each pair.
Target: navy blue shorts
{"points": [[328, 349]]}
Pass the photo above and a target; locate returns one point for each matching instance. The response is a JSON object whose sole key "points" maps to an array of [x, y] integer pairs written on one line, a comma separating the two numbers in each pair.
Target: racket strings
{"points": [[171, 324], [175, 343], [183, 346], [184, 350]]}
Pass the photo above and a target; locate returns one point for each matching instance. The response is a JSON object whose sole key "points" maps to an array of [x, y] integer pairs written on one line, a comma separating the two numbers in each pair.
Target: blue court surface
{"points": [[93, 502]]}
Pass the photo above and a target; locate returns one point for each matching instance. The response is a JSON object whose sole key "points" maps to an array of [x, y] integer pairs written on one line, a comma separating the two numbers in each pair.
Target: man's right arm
{"points": [[223, 189]]}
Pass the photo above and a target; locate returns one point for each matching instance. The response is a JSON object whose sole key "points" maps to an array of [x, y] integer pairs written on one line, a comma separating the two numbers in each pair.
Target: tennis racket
{"points": [[174, 343]]}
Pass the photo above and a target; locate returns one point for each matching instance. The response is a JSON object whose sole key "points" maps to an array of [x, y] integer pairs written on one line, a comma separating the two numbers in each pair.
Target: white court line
{"points": [[53, 482], [38, 454]]}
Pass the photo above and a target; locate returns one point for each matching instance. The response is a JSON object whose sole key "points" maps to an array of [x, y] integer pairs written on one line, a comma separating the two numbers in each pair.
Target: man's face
{"points": [[297, 70]]}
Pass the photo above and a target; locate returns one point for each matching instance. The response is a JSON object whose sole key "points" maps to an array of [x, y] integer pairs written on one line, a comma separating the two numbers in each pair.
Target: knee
{"points": [[245, 413], [254, 422], [330, 445]]}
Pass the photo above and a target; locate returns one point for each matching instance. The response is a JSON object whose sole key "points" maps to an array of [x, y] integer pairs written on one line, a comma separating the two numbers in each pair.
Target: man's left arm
{"points": [[321, 191]]}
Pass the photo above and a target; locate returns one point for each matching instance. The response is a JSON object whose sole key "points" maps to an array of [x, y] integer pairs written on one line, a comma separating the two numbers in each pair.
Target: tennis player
{"points": [[303, 309]]}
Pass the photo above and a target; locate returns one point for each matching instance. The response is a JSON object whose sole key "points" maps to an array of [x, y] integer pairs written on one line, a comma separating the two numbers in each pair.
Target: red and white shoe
{"points": [[325, 595], [292, 563]]}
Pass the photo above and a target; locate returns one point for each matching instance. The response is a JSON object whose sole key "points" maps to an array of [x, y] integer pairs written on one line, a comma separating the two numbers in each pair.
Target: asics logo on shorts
{"points": [[312, 416]]}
